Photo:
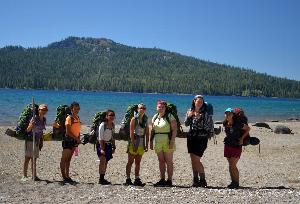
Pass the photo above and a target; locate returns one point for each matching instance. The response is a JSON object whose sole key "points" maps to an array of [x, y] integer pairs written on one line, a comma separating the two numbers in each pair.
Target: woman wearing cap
{"points": [[37, 125], [201, 128], [139, 139], [70, 142], [164, 130], [235, 132]]}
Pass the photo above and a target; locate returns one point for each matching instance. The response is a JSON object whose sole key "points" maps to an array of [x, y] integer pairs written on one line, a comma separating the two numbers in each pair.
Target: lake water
{"points": [[13, 101]]}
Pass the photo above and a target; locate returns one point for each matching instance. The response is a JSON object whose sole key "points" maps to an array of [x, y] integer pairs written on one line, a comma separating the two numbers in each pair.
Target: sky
{"points": [[262, 35]]}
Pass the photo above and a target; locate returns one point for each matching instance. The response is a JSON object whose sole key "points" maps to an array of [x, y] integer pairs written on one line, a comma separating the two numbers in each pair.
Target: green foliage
{"points": [[103, 65]]}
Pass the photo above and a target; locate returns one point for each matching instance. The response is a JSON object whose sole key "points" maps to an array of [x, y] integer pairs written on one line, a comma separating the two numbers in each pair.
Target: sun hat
{"points": [[229, 110]]}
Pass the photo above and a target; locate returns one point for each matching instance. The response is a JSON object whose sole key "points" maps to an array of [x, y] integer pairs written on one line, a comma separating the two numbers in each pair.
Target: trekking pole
{"points": [[33, 141]]}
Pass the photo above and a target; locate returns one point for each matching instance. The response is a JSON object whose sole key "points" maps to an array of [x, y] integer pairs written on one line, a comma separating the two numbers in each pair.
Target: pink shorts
{"points": [[232, 151]]}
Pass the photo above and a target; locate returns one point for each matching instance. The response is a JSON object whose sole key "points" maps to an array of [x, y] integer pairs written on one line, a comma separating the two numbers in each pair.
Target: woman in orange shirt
{"points": [[70, 141]]}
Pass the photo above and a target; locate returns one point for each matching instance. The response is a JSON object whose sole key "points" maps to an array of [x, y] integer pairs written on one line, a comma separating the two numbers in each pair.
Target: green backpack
{"points": [[24, 120], [125, 124], [62, 112]]}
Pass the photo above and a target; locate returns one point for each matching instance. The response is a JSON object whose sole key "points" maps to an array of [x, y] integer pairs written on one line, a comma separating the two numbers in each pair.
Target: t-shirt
{"points": [[161, 125], [233, 133], [39, 126], [104, 133], [75, 125]]}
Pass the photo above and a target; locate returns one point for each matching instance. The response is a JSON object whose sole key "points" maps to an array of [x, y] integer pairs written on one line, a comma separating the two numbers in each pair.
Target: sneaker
{"points": [[37, 179], [202, 183], [128, 182], [138, 182], [69, 180], [168, 183], [104, 182], [24, 179], [233, 185], [160, 183]]}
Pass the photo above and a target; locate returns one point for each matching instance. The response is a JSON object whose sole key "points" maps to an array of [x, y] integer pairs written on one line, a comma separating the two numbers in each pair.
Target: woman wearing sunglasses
{"points": [[139, 139], [106, 144]]}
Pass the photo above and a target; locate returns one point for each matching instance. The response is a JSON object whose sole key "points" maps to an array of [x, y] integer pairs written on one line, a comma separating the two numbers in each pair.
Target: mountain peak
{"points": [[74, 42]]}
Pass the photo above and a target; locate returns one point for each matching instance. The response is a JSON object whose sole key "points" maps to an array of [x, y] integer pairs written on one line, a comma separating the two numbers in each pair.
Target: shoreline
{"points": [[271, 176]]}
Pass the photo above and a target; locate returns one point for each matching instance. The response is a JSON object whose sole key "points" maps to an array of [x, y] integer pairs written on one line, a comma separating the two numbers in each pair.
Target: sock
{"points": [[102, 177], [202, 176], [195, 173]]}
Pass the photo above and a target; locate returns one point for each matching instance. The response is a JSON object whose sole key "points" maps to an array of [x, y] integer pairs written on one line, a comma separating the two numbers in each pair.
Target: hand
{"points": [[78, 140], [113, 151], [102, 152], [190, 113], [151, 145], [135, 149], [241, 141]]}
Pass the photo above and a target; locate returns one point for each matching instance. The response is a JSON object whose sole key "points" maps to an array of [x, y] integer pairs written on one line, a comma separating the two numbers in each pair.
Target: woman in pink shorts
{"points": [[235, 132]]}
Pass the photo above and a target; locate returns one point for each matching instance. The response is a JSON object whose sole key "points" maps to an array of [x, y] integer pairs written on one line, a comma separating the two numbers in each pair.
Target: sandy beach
{"points": [[271, 176]]}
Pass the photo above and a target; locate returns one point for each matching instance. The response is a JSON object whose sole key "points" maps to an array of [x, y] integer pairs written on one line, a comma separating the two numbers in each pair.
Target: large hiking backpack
{"points": [[97, 120], [171, 109], [208, 107], [125, 124], [243, 118], [132, 111], [24, 120], [62, 112]]}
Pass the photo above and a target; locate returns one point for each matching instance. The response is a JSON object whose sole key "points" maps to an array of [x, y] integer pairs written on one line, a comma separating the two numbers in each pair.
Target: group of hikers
{"points": [[159, 135]]}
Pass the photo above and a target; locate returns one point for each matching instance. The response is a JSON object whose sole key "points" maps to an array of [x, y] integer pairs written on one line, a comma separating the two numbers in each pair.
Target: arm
{"points": [[147, 137], [246, 129], [132, 125], [188, 118], [30, 125], [101, 138], [174, 133]]}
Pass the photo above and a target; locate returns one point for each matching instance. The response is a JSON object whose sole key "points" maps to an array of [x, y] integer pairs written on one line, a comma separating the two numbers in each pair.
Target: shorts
{"points": [[197, 145], [232, 151], [69, 144], [140, 150], [28, 149], [162, 144], [108, 151]]}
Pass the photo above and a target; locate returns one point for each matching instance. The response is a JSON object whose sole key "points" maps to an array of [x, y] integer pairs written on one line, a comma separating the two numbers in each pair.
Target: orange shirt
{"points": [[75, 126]]}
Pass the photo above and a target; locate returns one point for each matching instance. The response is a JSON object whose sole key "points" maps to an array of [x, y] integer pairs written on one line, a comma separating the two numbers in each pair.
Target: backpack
{"points": [[208, 107], [170, 109], [97, 120], [24, 120], [62, 112], [132, 111], [243, 118]]}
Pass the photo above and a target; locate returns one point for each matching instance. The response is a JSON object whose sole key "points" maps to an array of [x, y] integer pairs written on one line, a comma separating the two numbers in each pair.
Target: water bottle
{"points": [[76, 152]]}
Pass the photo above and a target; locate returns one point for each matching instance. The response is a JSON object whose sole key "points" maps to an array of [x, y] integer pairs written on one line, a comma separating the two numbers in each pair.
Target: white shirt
{"points": [[106, 134]]}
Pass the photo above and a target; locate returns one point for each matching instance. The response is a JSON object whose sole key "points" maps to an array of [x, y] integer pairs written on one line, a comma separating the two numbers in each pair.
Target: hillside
{"points": [[101, 64]]}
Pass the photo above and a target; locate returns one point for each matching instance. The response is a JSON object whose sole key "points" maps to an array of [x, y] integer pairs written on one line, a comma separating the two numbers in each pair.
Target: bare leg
{"points": [[129, 164], [162, 164]]}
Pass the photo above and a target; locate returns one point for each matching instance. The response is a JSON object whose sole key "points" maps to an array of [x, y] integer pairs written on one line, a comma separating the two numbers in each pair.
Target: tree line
{"points": [[103, 65]]}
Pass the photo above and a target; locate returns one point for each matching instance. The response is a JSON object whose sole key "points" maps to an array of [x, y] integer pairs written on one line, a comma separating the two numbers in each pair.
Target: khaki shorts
{"points": [[28, 149]]}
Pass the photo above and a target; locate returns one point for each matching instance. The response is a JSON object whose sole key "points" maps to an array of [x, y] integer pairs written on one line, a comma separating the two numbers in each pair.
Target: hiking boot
{"points": [[168, 183], [202, 183], [104, 182], [195, 182], [233, 185], [24, 179], [69, 180], [128, 182], [37, 179], [160, 183], [138, 182]]}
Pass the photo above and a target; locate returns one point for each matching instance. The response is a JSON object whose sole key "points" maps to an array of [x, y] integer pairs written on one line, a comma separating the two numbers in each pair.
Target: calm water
{"points": [[13, 101]]}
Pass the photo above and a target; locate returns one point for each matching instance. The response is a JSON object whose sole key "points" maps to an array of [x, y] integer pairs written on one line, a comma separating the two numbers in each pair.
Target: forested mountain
{"points": [[101, 64]]}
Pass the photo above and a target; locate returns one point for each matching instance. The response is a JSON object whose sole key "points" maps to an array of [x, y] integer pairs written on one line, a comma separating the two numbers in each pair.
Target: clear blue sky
{"points": [[263, 35]]}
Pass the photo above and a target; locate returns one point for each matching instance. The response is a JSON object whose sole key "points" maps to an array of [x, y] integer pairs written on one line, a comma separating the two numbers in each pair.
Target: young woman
{"points": [[139, 139], [36, 125], [70, 141], [201, 128], [235, 132], [106, 144], [164, 130]]}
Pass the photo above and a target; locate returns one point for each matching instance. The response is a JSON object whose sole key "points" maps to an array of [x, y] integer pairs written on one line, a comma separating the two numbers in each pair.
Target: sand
{"points": [[271, 176]]}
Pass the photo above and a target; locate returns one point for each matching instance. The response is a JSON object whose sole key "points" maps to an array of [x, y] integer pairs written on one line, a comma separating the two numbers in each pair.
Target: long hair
{"points": [[107, 113], [74, 103]]}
